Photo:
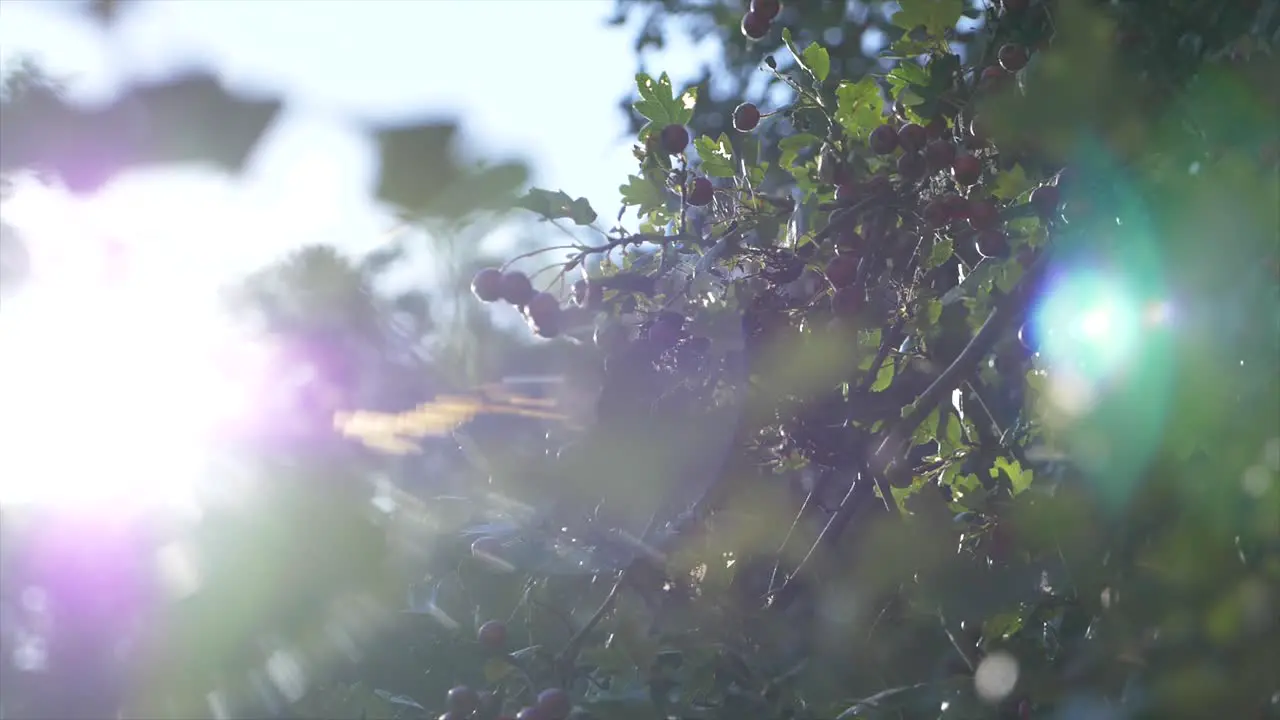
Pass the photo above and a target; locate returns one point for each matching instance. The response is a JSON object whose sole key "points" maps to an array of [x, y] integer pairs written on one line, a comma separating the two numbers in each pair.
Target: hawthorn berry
{"points": [[848, 240], [993, 244], [611, 338], [978, 130], [754, 25], [700, 192], [883, 140], [936, 128], [487, 285], [848, 301], [912, 137], [983, 214], [1045, 201], [939, 154], [879, 185], [766, 9], [746, 117], [966, 169], [675, 138], [664, 333], [542, 307], [936, 213], [554, 704], [463, 700], [846, 192], [516, 288], [492, 636], [992, 77], [911, 166], [842, 270], [1013, 57]]}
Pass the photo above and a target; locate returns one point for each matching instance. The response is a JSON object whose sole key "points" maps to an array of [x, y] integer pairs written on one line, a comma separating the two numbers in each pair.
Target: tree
{"points": [[961, 406], [897, 336]]}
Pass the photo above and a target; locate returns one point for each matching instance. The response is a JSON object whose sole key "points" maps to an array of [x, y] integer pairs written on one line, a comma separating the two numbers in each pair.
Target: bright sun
{"points": [[111, 391]]}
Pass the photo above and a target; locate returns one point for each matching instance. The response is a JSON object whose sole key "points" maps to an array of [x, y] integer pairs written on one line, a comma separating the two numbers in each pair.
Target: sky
{"points": [[334, 61]]}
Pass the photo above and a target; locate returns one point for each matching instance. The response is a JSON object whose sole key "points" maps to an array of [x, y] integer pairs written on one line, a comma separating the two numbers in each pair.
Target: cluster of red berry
{"points": [[465, 703], [541, 309]]}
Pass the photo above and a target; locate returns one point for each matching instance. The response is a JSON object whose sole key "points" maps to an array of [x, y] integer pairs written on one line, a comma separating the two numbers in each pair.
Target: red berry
{"points": [[766, 9], [1013, 57], [516, 288], [487, 285], [983, 214], [978, 130], [700, 192], [463, 700], [911, 166], [554, 704], [966, 170], [846, 193], [1045, 201], [912, 137], [746, 117], [675, 138], [879, 185], [939, 154], [993, 244], [936, 213], [847, 301], [992, 77], [611, 338], [842, 270], [883, 140], [542, 307], [936, 128], [848, 241], [754, 25], [664, 333], [957, 207], [492, 636]]}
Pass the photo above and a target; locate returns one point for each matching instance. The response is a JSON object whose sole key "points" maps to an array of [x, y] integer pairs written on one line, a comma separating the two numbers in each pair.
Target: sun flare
{"points": [[111, 391]]}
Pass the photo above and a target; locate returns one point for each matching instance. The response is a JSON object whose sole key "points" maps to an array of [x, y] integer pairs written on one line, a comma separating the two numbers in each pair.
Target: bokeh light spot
{"points": [[996, 677]]}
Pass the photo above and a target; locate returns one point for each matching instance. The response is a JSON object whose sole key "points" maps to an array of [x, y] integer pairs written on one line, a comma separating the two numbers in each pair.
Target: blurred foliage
{"points": [[987, 437]]}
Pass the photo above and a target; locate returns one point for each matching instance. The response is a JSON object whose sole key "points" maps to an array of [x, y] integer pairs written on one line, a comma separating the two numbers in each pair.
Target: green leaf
{"points": [[642, 193], [1012, 183], [1019, 478], [659, 103], [818, 61], [883, 377], [940, 253], [859, 107], [716, 155], [933, 311], [654, 112], [557, 205], [421, 174], [906, 74], [683, 111], [791, 146], [936, 16], [795, 52]]}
